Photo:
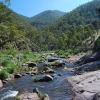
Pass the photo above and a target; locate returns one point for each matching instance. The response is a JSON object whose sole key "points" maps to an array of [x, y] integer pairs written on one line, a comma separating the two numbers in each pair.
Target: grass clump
{"points": [[3, 74], [17, 98], [35, 78], [47, 71], [10, 68], [42, 95]]}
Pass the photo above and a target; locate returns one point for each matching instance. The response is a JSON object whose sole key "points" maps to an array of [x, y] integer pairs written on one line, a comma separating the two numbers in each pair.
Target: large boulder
{"points": [[89, 58], [92, 66], [86, 86], [46, 78]]}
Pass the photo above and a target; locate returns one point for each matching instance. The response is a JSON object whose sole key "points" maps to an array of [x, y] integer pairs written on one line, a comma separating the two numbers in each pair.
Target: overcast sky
{"points": [[30, 8]]}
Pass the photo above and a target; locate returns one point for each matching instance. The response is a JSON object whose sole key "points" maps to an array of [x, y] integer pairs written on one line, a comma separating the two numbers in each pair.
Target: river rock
{"points": [[1, 84], [29, 96], [47, 97], [46, 78], [35, 90], [85, 86], [49, 70], [17, 76], [60, 64], [52, 59], [31, 64]]}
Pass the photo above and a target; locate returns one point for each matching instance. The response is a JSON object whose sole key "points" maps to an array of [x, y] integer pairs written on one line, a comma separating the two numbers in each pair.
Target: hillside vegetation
{"points": [[70, 32]]}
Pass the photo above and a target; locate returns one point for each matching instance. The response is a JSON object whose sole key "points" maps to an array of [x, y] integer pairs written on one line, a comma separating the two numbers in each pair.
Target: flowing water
{"points": [[58, 89]]}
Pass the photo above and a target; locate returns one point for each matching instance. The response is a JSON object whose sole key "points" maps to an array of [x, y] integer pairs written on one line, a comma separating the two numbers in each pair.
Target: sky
{"points": [[31, 8]]}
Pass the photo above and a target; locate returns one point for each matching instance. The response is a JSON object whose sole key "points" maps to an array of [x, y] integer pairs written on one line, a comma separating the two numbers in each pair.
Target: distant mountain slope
{"points": [[83, 14], [46, 17]]}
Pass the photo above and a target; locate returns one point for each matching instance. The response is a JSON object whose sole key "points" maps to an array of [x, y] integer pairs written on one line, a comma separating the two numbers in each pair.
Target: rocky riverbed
{"points": [[83, 78]]}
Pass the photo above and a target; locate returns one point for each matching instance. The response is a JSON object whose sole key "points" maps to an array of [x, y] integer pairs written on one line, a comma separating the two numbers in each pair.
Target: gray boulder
{"points": [[46, 78]]}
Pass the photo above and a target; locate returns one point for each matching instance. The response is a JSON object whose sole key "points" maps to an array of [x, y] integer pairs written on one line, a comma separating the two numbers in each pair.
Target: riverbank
{"points": [[86, 82]]}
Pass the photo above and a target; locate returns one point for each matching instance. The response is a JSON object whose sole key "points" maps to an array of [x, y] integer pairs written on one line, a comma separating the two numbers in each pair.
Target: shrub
{"points": [[97, 45], [5, 61], [10, 69], [3, 75], [26, 69]]}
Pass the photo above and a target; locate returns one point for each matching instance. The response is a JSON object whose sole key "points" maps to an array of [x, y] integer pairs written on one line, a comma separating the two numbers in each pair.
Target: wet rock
{"points": [[96, 96], [4, 82], [49, 70], [36, 90], [47, 97], [31, 64], [17, 76], [52, 59], [29, 96], [46, 78], [1, 84], [60, 64], [59, 74]]}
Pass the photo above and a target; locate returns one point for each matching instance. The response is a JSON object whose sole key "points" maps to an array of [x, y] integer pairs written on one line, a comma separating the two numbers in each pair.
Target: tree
{"points": [[96, 25]]}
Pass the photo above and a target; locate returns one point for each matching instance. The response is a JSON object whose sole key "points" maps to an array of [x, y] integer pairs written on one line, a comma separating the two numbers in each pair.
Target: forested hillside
{"points": [[70, 32], [82, 15], [46, 18]]}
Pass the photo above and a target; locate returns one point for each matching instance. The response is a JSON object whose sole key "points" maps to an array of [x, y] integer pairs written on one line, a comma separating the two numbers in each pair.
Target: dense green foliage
{"points": [[46, 18], [3, 74], [68, 33], [97, 45]]}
